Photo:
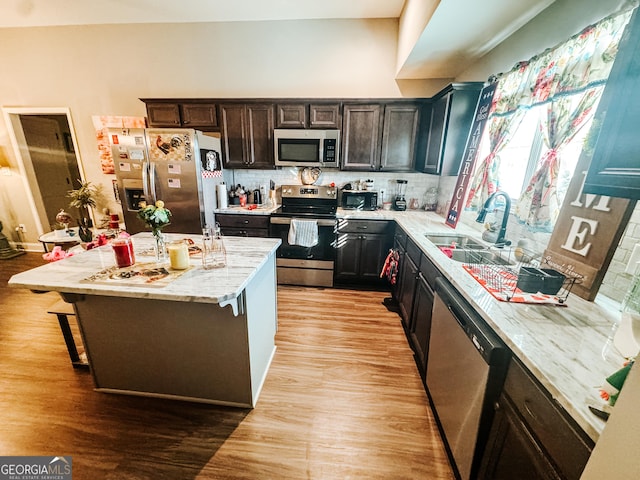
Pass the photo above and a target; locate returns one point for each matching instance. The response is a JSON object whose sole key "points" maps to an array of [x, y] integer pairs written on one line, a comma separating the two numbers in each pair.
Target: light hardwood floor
{"points": [[342, 400]]}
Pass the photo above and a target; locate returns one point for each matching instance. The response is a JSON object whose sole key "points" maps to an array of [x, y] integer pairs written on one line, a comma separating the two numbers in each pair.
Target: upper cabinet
{"points": [[399, 137], [361, 137], [163, 114], [451, 117], [201, 115], [247, 135], [386, 135], [615, 163], [308, 115], [380, 136]]}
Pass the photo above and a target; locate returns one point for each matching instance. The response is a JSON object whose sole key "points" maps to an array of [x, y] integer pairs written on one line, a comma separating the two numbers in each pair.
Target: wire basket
{"points": [[514, 271]]}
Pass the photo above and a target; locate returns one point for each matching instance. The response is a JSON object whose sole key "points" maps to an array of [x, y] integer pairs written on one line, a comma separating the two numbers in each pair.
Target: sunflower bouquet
{"points": [[155, 216]]}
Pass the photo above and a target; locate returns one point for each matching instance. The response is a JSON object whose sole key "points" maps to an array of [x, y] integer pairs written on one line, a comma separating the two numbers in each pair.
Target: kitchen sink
{"points": [[479, 256], [460, 241]]}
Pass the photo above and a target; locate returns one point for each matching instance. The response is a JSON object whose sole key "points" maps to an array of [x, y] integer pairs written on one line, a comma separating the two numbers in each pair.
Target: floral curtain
{"points": [[504, 119], [569, 83], [540, 203], [567, 80], [485, 180]]}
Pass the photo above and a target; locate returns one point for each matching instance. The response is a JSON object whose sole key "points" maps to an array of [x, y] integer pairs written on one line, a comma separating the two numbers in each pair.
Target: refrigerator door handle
{"points": [[145, 181], [152, 181]]}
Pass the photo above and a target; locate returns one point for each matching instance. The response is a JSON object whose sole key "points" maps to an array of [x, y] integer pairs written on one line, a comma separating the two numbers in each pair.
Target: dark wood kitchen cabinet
{"points": [[531, 435], [452, 112], [199, 115], [380, 137], [323, 115], [238, 225], [399, 245], [169, 114], [420, 324], [308, 115], [247, 135], [361, 136], [615, 163], [161, 115], [399, 137], [408, 283], [362, 248], [291, 115]]}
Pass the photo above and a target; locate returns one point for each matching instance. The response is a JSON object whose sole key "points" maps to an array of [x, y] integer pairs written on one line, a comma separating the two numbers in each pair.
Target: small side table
{"points": [[65, 241]]}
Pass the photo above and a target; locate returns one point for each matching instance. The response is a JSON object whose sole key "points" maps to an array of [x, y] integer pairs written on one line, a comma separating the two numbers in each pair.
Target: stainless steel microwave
{"points": [[306, 148]]}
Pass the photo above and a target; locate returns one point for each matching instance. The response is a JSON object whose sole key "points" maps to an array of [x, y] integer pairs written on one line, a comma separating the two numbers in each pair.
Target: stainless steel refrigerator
{"points": [[181, 167]]}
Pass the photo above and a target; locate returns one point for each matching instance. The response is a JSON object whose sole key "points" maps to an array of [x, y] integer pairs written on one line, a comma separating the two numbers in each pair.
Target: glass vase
{"points": [[160, 247]]}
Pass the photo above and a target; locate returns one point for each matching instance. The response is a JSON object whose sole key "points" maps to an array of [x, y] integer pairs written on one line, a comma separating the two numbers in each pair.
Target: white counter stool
{"points": [[63, 310]]}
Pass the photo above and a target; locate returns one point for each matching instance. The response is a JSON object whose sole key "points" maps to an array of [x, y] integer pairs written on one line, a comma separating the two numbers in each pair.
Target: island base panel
{"points": [[179, 349]]}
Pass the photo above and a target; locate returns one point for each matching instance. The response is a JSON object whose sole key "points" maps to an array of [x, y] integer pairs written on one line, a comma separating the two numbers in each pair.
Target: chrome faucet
{"points": [[500, 241]]}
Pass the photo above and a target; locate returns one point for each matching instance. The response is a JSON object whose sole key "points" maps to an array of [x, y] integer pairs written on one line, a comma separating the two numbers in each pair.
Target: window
{"points": [[519, 159]]}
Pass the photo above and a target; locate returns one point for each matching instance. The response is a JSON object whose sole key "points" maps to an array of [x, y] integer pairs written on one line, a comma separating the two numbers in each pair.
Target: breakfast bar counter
{"points": [[197, 335]]}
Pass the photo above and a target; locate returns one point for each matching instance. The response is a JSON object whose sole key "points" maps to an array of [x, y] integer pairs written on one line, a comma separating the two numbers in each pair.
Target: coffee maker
{"points": [[399, 202]]}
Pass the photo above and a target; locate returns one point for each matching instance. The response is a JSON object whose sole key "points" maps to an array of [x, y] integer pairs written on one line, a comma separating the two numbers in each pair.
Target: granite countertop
{"points": [[260, 210], [245, 257], [564, 347]]}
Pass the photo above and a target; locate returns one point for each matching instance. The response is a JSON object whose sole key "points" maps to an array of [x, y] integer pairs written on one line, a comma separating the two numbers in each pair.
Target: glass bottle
{"points": [[214, 254]]}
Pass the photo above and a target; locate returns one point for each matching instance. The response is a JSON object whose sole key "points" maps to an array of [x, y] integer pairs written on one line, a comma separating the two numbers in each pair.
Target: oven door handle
{"points": [[322, 222]]}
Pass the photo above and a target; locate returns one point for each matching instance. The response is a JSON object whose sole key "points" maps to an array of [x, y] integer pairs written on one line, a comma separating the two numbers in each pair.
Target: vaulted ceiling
{"points": [[444, 36]]}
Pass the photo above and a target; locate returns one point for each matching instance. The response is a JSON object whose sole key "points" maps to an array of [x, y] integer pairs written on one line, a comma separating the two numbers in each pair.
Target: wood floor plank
{"points": [[343, 399]]}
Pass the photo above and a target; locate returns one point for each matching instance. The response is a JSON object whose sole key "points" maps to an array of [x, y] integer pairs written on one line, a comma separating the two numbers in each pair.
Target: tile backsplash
{"points": [[417, 183], [614, 285]]}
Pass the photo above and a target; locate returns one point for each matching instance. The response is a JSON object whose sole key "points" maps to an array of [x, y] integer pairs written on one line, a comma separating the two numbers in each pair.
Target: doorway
{"points": [[48, 160]]}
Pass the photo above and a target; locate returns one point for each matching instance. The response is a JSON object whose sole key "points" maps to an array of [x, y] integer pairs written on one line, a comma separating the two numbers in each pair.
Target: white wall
{"points": [[104, 70]]}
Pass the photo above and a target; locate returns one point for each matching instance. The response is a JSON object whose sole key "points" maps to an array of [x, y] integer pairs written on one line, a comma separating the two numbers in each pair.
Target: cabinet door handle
{"points": [[531, 414], [496, 406], [245, 222]]}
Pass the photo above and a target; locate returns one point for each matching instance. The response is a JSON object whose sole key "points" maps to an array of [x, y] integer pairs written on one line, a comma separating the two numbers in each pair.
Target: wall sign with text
{"points": [[470, 154]]}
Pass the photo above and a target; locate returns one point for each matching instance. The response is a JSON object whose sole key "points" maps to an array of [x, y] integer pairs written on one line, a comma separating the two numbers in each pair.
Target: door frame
{"points": [[18, 142]]}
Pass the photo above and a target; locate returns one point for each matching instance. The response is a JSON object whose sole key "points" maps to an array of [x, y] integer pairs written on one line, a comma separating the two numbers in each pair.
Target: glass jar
{"points": [[214, 255], [178, 254], [123, 251]]}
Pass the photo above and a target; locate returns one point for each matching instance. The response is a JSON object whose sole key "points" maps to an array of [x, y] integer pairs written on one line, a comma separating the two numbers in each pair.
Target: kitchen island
{"points": [[197, 335]]}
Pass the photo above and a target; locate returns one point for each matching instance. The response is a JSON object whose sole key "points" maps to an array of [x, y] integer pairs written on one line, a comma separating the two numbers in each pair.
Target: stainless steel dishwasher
{"points": [[465, 372]]}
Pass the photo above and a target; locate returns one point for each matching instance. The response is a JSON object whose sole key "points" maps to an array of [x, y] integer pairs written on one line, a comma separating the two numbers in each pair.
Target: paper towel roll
{"points": [[223, 200]]}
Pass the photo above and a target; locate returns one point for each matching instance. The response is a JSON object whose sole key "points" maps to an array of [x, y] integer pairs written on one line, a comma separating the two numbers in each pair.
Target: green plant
{"points": [[155, 216], [83, 197]]}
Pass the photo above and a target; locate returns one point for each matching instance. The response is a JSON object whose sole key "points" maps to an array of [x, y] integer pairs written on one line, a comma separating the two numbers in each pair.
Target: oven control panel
{"points": [[309, 191]]}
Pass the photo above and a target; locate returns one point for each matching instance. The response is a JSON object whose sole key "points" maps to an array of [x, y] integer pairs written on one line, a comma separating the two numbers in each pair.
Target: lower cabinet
{"points": [[362, 249], [420, 324], [531, 436], [512, 452], [238, 225], [399, 244], [408, 283]]}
